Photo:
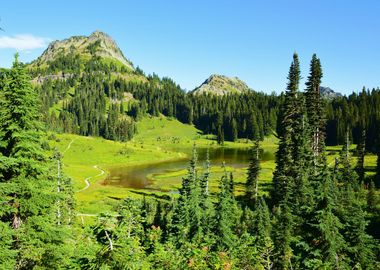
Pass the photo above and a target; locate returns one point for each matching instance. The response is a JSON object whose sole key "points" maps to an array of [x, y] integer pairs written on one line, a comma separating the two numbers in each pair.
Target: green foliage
{"points": [[360, 150], [317, 218], [252, 182], [27, 191], [227, 215], [315, 108]]}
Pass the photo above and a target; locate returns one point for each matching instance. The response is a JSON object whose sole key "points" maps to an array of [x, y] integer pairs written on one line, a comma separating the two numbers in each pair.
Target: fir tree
{"points": [[360, 150], [252, 182], [26, 186], [227, 214], [315, 109], [359, 245], [284, 173], [372, 197], [324, 244], [282, 236]]}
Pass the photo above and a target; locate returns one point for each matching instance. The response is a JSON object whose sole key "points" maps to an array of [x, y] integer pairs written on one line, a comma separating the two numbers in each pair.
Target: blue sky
{"points": [[190, 40]]}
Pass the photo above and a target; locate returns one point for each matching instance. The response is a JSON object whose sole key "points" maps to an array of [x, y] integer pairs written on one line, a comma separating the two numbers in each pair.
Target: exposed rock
{"points": [[98, 44], [221, 85], [328, 93], [42, 79]]}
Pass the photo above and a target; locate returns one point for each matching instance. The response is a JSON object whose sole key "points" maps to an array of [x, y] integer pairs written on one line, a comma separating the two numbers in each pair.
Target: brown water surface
{"points": [[136, 176]]}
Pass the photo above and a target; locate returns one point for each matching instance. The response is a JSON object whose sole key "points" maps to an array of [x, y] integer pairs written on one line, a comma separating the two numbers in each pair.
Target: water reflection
{"points": [[137, 176]]}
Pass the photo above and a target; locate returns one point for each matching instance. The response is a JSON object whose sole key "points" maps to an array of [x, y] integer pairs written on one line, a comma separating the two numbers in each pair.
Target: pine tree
{"points": [[262, 226], [26, 186], [206, 205], [253, 128], [347, 174], [227, 214], [181, 220], [315, 109], [372, 199], [193, 209], [65, 203], [252, 182], [234, 130], [282, 236], [220, 130], [359, 245], [322, 243], [361, 154], [284, 174]]}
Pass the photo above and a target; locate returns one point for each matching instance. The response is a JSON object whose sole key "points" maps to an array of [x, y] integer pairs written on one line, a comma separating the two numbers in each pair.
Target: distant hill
{"points": [[328, 93], [221, 85]]}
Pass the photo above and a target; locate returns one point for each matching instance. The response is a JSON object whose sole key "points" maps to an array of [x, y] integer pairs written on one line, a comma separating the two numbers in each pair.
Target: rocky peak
{"points": [[328, 93], [98, 44], [221, 85]]}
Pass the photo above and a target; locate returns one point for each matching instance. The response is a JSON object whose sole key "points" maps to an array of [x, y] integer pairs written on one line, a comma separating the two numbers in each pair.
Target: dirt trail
{"points": [[87, 180], [68, 147]]}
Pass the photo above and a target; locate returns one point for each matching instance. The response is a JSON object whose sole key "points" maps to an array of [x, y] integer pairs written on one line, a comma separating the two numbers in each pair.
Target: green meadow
{"points": [[159, 139]]}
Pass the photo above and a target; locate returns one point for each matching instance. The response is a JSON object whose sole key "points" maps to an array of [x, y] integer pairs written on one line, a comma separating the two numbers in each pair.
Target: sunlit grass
{"points": [[159, 139]]}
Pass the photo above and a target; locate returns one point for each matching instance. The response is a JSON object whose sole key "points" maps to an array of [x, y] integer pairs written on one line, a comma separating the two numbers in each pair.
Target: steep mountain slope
{"points": [[221, 85], [98, 44]]}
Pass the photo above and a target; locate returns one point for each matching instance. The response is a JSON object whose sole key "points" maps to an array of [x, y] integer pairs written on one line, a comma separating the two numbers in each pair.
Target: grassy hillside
{"points": [[159, 139]]}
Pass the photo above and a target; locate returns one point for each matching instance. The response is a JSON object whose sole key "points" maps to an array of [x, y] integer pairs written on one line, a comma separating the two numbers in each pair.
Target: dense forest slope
{"points": [[88, 87]]}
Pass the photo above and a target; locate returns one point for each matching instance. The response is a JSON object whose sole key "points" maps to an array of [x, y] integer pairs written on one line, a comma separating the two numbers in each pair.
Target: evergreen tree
{"points": [[359, 245], [27, 191], [282, 236], [227, 214], [194, 209], [262, 229], [65, 203], [360, 150], [220, 135], [284, 174], [252, 183], [315, 108], [322, 244], [206, 205], [372, 197], [234, 130]]}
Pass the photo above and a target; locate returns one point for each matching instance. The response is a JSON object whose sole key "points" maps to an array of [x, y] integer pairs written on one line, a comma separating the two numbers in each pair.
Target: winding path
{"points": [[68, 147], [88, 178]]}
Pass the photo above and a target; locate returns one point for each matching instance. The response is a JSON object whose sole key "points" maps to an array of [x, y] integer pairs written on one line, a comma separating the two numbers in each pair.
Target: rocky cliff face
{"points": [[221, 85], [328, 93], [97, 44]]}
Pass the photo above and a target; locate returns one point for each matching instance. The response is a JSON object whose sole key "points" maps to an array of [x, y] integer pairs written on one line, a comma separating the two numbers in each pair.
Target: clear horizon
{"points": [[252, 40]]}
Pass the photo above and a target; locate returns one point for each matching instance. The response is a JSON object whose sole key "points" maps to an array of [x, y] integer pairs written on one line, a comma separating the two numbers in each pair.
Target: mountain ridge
{"points": [[97, 43]]}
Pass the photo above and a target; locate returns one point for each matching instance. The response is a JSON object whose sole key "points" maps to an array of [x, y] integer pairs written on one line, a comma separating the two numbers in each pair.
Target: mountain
{"points": [[98, 44], [221, 85], [328, 93]]}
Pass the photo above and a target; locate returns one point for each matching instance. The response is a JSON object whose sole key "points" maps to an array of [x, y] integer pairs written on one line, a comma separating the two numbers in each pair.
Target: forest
{"points": [[316, 215]]}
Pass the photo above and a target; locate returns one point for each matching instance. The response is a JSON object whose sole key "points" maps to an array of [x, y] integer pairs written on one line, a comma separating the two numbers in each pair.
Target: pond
{"points": [[136, 177]]}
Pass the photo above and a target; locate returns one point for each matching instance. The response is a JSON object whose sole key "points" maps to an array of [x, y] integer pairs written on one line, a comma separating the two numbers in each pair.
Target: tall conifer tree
{"points": [[27, 188], [284, 175], [360, 149], [252, 182], [315, 108]]}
